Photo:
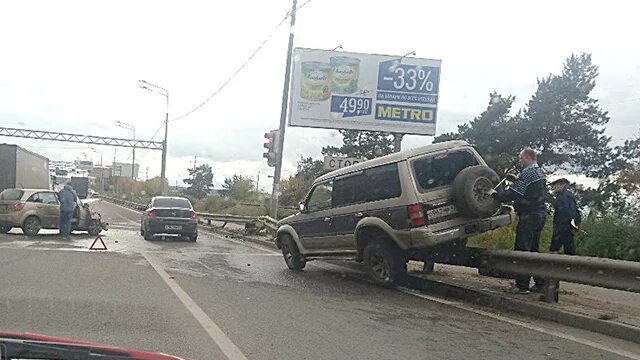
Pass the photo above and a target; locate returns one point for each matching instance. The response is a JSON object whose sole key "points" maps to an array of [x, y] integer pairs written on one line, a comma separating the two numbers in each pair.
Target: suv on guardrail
{"points": [[386, 211]]}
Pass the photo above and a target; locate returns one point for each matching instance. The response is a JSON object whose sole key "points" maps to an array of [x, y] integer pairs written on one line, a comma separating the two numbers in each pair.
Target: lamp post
{"points": [[101, 169], [164, 92], [132, 128]]}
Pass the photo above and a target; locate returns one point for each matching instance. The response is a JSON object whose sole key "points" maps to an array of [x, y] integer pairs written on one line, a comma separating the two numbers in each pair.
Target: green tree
{"points": [[564, 123], [309, 168], [362, 144], [239, 187], [200, 181], [494, 133]]}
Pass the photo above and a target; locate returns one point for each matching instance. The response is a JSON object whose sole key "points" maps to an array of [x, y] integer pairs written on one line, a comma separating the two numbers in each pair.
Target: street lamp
{"points": [[164, 92], [130, 127], [101, 169]]}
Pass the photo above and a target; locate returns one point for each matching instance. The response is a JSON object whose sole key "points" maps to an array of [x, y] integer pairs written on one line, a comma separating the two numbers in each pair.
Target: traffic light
{"points": [[272, 146]]}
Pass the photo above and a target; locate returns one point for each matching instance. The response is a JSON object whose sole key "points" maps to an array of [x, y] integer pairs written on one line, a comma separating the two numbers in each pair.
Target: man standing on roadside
{"points": [[566, 218], [68, 200], [528, 194]]}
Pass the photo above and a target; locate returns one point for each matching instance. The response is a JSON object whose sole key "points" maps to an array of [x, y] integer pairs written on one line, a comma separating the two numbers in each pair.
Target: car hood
{"points": [[288, 219], [52, 340]]}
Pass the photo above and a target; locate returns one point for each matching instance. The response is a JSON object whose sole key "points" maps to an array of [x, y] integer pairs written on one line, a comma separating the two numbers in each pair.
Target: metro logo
{"points": [[405, 113]]}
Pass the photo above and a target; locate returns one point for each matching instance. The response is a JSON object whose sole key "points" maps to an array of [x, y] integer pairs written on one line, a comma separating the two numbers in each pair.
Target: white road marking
{"points": [[508, 320], [230, 350], [461, 306]]}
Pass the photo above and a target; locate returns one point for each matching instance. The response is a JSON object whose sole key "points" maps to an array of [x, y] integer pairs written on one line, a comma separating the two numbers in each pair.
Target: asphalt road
{"points": [[221, 298]]}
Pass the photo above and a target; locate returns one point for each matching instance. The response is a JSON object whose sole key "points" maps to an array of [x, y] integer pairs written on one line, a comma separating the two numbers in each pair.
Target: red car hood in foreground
{"points": [[134, 354]]}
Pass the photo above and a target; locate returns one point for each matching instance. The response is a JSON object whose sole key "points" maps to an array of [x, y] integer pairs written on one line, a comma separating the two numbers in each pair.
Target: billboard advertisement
{"points": [[342, 90]]}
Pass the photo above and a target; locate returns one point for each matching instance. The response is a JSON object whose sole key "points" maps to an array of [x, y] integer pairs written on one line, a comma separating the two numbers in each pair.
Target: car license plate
{"points": [[173, 227], [441, 212]]}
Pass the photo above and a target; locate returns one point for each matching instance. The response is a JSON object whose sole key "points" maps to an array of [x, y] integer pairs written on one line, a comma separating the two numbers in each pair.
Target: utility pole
{"points": [[283, 117], [163, 169], [195, 159], [397, 142], [258, 183]]}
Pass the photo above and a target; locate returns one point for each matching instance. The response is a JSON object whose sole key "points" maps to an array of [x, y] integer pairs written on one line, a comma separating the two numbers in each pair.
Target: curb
{"points": [[500, 302], [539, 311]]}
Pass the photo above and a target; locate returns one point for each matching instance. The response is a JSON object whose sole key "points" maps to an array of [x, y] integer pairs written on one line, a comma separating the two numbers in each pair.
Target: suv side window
{"points": [[440, 170], [378, 183], [320, 197], [347, 190], [382, 182]]}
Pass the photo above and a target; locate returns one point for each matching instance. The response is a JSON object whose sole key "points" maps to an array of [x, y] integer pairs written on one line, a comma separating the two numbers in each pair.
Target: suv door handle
{"points": [[327, 219], [359, 214]]}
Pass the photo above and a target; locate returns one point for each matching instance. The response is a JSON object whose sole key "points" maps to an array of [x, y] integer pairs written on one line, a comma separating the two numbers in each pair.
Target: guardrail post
{"points": [[209, 222], [550, 290]]}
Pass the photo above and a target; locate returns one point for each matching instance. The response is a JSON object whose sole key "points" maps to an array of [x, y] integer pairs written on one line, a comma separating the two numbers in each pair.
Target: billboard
{"points": [[342, 90]]}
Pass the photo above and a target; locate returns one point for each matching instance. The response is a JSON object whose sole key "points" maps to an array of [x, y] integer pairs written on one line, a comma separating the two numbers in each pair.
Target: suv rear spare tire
{"points": [[469, 191]]}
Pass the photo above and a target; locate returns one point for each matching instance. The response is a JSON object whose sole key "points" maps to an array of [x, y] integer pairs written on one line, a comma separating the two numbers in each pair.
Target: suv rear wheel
{"points": [[384, 262], [291, 253]]}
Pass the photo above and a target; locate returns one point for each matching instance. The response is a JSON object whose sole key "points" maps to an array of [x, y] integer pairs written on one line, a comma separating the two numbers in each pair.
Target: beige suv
{"points": [[35, 209], [404, 206]]}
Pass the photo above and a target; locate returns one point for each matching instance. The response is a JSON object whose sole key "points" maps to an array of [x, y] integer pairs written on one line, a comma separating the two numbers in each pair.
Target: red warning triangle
{"points": [[104, 247]]}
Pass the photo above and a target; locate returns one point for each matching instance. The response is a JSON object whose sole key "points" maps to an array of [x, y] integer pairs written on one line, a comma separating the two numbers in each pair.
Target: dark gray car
{"points": [[167, 215], [386, 211]]}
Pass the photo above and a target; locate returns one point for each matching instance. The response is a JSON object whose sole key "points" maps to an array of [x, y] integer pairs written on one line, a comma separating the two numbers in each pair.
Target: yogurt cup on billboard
{"points": [[345, 74], [316, 81]]}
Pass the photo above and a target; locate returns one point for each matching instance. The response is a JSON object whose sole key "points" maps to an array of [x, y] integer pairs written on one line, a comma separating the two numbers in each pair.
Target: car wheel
{"points": [[470, 191], [148, 235], [291, 253], [31, 226], [94, 228], [384, 262], [4, 229]]}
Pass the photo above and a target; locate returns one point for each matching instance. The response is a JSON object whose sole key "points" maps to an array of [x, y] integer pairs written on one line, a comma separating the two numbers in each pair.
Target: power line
{"points": [[244, 64], [157, 131]]}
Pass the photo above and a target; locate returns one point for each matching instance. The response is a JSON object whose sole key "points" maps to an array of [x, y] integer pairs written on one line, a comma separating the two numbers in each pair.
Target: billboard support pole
{"points": [[397, 142], [283, 117]]}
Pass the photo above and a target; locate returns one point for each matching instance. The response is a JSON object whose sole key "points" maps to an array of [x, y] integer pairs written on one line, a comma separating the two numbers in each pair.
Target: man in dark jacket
{"points": [[528, 193], [565, 211], [68, 205]]}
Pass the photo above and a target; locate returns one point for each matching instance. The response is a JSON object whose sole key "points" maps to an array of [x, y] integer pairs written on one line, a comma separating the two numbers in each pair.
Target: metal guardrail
{"points": [[267, 222], [607, 273]]}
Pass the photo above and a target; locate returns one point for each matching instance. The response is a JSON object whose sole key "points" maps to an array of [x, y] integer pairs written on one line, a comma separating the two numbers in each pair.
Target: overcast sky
{"points": [[74, 66]]}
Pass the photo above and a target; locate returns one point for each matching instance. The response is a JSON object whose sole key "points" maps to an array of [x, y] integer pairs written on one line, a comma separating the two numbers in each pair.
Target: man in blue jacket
{"points": [[528, 194], [565, 211], [68, 199]]}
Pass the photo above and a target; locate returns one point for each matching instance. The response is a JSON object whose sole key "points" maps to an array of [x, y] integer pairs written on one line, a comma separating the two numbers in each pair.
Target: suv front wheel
{"points": [[291, 254], [384, 262]]}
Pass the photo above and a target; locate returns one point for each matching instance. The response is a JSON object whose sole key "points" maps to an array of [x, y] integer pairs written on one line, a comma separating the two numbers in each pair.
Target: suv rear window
{"points": [[11, 194], [373, 184], [172, 202], [440, 170]]}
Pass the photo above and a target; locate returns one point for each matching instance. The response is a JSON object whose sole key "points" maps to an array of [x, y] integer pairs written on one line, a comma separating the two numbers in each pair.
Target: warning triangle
{"points": [[104, 247]]}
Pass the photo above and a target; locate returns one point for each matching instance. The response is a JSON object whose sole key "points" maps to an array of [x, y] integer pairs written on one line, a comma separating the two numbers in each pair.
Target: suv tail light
{"points": [[194, 215], [151, 214], [416, 215], [18, 206]]}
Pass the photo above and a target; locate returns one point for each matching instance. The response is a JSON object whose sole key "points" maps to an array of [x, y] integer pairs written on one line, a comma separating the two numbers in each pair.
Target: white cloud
{"points": [[73, 66]]}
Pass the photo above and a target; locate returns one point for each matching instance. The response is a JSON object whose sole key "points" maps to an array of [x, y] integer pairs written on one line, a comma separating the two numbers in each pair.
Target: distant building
{"points": [[124, 170]]}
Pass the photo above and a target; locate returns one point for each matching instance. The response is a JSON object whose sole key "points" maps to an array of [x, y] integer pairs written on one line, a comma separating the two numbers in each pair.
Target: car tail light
{"points": [[151, 214], [416, 215], [18, 206], [194, 215]]}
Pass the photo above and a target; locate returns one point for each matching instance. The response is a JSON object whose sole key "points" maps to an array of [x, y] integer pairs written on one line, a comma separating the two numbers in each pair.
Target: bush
{"points": [[211, 204], [611, 236], [504, 238]]}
